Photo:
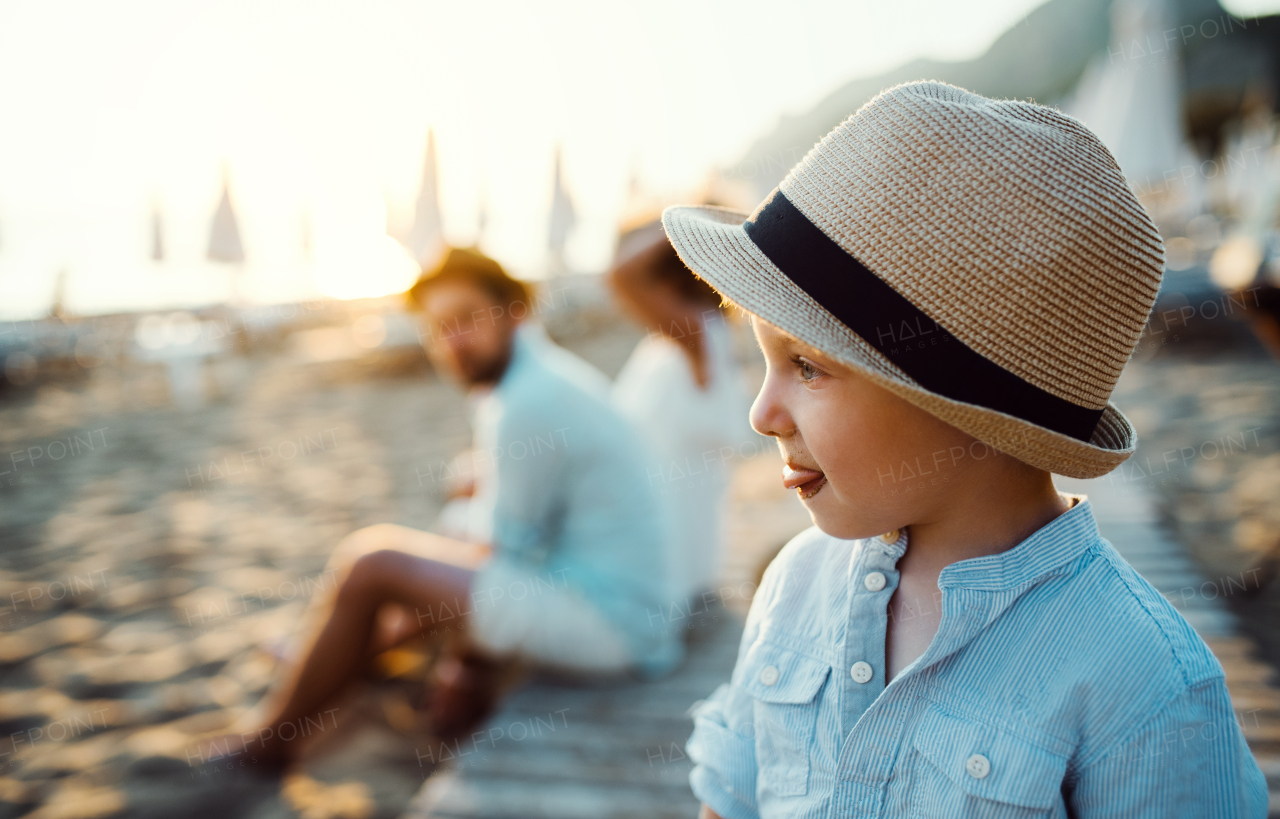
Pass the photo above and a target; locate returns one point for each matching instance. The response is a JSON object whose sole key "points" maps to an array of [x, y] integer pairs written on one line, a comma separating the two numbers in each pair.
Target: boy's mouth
{"points": [[807, 482]]}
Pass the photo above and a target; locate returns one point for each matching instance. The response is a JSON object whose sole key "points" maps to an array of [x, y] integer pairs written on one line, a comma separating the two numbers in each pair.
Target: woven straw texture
{"points": [[1008, 223]]}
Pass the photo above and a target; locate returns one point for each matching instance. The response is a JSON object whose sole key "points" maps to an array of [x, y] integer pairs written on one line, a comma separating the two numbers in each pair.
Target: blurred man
{"points": [[564, 565]]}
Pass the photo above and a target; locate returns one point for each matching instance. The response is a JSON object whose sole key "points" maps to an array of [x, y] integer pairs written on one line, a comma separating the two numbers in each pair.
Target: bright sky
{"points": [[319, 113], [1251, 8]]}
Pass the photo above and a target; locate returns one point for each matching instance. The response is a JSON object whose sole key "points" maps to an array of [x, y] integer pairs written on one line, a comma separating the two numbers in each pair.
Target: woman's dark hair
{"points": [[668, 269], [474, 268]]}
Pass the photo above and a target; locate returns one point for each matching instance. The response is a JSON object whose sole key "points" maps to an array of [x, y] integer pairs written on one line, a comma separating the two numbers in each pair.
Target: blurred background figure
{"points": [[564, 551], [683, 388]]}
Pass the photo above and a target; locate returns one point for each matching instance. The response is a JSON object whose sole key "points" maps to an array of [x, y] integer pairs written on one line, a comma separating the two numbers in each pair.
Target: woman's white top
{"points": [[696, 436]]}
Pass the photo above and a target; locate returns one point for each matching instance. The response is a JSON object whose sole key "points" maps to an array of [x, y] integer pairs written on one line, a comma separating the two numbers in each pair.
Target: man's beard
{"points": [[490, 371]]}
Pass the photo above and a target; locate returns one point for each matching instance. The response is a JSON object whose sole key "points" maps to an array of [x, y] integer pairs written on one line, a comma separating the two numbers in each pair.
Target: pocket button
{"points": [[769, 675], [978, 766]]}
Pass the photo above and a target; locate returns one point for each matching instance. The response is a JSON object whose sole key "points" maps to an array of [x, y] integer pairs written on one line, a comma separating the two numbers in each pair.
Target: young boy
{"points": [[952, 283]]}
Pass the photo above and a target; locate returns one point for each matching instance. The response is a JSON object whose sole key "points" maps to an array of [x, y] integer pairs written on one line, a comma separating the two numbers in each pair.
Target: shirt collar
{"points": [[529, 337], [1045, 553], [529, 334]]}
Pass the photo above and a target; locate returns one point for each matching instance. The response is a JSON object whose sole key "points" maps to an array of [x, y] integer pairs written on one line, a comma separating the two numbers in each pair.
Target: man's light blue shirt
{"points": [[1060, 683], [570, 493]]}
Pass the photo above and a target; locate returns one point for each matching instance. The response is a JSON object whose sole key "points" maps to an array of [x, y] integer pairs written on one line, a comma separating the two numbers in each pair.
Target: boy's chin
{"points": [[838, 521], [837, 525], [840, 532]]}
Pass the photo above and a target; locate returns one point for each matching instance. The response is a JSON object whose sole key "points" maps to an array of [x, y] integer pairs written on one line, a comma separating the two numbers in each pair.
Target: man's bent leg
{"points": [[390, 569], [411, 541], [397, 624]]}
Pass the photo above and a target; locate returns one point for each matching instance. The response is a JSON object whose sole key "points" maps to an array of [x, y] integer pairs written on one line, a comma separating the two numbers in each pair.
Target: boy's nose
{"points": [[768, 416]]}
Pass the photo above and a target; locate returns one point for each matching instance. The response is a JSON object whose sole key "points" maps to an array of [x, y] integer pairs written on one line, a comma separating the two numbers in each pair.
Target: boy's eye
{"points": [[807, 371]]}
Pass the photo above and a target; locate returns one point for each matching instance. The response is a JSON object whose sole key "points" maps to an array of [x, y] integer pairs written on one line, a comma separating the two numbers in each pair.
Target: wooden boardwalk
{"points": [[556, 750], [561, 751]]}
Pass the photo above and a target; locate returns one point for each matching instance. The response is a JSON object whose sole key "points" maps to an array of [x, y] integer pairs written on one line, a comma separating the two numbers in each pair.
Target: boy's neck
{"points": [[985, 514]]}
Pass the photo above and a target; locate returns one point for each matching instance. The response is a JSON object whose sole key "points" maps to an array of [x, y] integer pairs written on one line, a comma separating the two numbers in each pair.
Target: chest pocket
{"points": [[969, 769], [784, 687]]}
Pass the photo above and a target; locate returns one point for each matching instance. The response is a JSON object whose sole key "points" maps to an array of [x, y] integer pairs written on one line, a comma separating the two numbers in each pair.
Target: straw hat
{"points": [[983, 259]]}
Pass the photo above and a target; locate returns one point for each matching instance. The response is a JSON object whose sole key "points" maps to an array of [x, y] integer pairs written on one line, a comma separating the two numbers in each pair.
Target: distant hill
{"points": [[1041, 58]]}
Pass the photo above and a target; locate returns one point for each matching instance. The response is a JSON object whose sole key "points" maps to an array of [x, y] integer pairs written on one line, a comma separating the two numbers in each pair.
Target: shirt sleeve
{"points": [[724, 774], [723, 745], [529, 462], [1190, 760]]}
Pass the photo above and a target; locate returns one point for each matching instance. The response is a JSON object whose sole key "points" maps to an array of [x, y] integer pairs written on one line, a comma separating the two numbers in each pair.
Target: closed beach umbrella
{"points": [[224, 239]]}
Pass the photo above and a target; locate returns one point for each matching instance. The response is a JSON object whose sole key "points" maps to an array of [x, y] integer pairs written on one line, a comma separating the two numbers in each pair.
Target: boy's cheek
{"points": [[854, 511], [856, 462]]}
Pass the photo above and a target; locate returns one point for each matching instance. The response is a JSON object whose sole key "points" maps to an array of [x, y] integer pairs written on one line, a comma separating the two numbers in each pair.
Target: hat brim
{"points": [[712, 243]]}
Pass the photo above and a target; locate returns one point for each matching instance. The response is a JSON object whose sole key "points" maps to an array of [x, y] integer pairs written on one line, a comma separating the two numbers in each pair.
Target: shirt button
{"points": [[890, 536], [861, 672], [978, 766], [874, 581], [769, 675]]}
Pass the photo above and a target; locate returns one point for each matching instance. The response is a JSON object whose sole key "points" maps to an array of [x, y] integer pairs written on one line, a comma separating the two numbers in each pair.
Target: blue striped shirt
{"points": [[1060, 683]]}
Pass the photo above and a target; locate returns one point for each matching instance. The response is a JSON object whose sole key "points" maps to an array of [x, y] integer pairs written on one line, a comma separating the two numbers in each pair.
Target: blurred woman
{"points": [[683, 389]]}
